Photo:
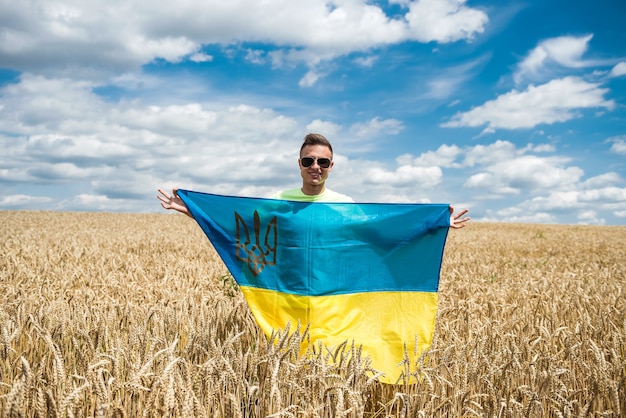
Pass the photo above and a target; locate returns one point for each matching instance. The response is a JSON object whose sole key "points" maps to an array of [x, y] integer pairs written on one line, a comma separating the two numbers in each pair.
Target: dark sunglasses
{"points": [[308, 162]]}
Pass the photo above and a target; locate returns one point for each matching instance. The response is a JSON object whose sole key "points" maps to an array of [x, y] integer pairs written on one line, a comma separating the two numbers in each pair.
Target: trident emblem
{"points": [[256, 254]]}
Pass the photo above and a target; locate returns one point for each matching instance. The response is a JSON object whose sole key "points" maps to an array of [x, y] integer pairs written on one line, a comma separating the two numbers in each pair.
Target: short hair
{"points": [[316, 139]]}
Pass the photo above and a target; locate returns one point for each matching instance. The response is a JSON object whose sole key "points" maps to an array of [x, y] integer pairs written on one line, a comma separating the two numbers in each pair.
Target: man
{"points": [[316, 163]]}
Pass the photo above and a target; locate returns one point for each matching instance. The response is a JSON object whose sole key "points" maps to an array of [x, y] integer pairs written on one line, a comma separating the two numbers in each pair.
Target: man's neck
{"points": [[310, 190]]}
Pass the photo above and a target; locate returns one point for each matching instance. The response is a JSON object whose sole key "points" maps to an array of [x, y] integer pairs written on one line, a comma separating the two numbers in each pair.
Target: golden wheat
{"points": [[129, 315]]}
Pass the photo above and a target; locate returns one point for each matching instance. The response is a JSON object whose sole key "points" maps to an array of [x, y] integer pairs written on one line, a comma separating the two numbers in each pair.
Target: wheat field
{"points": [[134, 315]]}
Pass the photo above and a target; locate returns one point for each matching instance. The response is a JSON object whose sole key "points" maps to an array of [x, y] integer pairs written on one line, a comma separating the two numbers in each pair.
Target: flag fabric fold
{"points": [[362, 272]]}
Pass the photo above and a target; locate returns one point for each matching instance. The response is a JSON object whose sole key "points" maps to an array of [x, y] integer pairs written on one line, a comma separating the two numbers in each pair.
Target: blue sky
{"points": [[515, 110]]}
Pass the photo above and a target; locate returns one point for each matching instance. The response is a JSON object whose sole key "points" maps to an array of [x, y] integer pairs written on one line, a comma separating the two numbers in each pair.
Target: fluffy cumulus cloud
{"points": [[101, 36], [542, 104], [113, 155], [555, 186], [454, 20], [444, 156], [527, 172], [406, 175], [584, 203], [61, 133], [404, 180], [583, 206], [503, 168], [18, 201], [538, 183]]}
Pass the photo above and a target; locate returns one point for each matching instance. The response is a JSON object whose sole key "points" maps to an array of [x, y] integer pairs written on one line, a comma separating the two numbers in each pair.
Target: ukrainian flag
{"points": [[362, 272]]}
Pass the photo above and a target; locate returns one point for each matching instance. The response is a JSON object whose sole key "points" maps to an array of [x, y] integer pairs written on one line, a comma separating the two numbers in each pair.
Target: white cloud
{"points": [[68, 134], [442, 87], [376, 125], [444, 156], [606, 194], [37, 102], [444, 20], [135, 81], [619, 145], [559, 100], [69, 37], [529, 173], [405, 176], [367, 62], [490, 153], [490, 183], [93, 202], [18, 201], [601, 181], [255, 56], [590, 217], [201, 57], [504, 169], [585, 205], [619, 70], [309, 79], [542, 148], [326, 128], [558, 200], [115, 154], [519, 215], [565, 51]]}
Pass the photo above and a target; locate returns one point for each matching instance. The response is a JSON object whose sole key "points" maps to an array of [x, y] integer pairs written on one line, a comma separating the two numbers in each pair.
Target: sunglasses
{"points": [[308, 162]]}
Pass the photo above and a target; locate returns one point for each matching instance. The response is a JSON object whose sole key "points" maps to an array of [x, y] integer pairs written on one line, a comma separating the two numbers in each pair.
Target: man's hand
{"points": [[456, 220], [173, 201]]}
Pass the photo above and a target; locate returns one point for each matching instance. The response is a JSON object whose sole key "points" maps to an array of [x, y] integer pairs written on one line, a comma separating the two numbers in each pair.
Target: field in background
{"points": [[130, 315]]}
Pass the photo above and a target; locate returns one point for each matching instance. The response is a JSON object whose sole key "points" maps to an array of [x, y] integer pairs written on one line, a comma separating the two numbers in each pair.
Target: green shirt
{"points": [[297, 195]]}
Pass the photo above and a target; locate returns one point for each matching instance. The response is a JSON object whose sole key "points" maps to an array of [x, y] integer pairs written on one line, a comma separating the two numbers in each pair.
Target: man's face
{"points": [[315, 175]]}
